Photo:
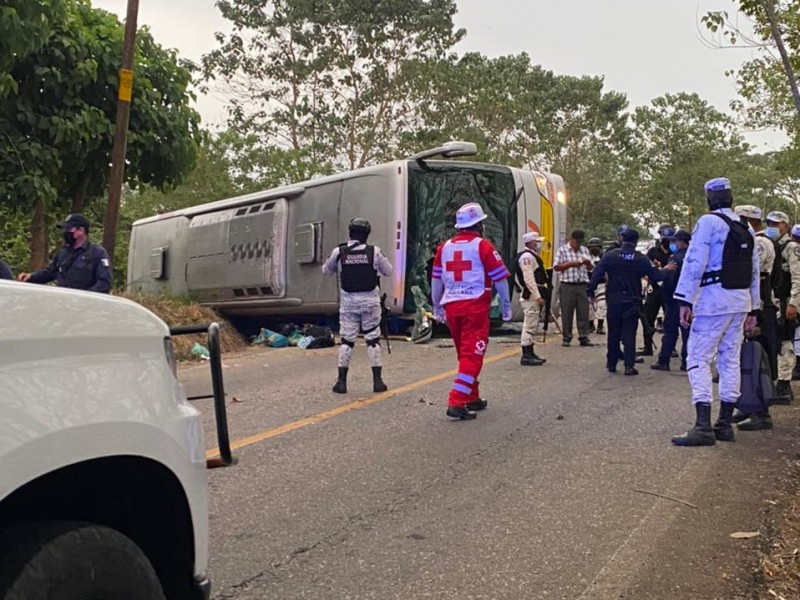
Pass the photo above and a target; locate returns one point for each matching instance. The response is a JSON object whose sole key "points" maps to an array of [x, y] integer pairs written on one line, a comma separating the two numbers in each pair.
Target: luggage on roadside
{"points": [[757, 387]]}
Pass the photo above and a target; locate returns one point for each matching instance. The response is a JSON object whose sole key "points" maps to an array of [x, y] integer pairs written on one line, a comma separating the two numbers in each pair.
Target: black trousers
{"points": [[652, 304], [623, 321], [672, 325]]}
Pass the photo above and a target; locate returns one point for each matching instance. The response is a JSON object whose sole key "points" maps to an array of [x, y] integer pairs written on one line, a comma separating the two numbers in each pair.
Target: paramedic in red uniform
{"points": [[464, 270]]}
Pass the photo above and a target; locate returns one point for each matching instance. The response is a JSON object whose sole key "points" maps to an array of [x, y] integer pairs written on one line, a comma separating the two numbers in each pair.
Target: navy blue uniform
{"points": [[84, 268], [625, 268], [5, 271], [672, 324]]}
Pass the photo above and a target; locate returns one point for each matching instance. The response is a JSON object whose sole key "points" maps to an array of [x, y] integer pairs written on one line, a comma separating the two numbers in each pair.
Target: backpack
{"points": [[757, 388], [737, 257]]}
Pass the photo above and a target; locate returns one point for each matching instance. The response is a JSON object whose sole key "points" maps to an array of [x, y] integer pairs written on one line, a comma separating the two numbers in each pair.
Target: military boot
{"points": [[796, 370], [660, 365], [528, 359], [756, 422], [377, 382], [340, 387], [723, 430], [783, 393], [701, 434], [600, 327], [537, 357]]}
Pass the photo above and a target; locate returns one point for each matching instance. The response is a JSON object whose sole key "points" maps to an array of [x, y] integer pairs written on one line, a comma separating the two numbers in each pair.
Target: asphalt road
{"points": [[549, 494]]}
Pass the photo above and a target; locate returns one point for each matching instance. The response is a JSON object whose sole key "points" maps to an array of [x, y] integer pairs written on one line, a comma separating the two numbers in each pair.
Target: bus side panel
{"points": [[374, 197], [238, 254], [157, 257], [313, 233]]}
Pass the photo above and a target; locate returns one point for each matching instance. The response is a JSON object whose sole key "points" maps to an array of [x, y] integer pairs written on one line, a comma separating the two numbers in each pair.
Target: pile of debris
{"points": [[307, 337]]}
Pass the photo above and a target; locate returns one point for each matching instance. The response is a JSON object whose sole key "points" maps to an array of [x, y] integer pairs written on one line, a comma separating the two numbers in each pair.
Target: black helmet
{"points": [[359, 225], [595, 241]]}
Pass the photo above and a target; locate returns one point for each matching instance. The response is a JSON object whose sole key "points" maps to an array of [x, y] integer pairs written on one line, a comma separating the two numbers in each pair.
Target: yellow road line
{"points": [[360, 403]]}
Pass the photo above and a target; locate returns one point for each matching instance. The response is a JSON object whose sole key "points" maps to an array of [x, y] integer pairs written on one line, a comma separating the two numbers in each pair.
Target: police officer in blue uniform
{"points": [[80, 264], [625, 267], [659, 256], [678, 244]]}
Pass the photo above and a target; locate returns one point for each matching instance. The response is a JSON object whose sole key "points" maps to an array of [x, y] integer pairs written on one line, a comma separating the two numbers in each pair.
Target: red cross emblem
{"points": [[458, 265]]}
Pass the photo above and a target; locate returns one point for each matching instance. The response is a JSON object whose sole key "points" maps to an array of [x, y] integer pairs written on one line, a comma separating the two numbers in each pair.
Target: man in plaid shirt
{"points": [[572, 263]]}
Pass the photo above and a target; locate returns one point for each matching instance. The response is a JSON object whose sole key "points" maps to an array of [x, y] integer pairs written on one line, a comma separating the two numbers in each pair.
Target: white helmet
{"points": [[469, 214]]}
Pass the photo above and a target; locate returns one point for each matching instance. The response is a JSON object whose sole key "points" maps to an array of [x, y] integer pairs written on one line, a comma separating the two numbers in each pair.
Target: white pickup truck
{"points": [[102, 460]]}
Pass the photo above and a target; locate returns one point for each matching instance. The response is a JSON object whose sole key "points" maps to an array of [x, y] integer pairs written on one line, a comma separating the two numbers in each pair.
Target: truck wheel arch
{"points": [[137, 496]]}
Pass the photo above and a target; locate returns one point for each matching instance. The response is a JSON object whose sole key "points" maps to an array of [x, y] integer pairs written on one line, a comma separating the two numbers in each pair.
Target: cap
{"points": [[75, 220], [748, 211], [595, 241], [578, 234], [777, 216], [717, 184], [532, 236], [666, 231], [681, 236], [621, 228], [796, 230], [629, 235]]}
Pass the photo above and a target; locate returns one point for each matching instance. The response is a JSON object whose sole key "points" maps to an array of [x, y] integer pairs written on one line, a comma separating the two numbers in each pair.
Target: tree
{"points": [[56, 129], [330, 79], [768, 83], [680, 142], [523, 115], [25, 27]]}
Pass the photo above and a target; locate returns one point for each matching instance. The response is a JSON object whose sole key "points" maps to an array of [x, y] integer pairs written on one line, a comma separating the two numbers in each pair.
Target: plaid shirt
{"points": [[566, 254]]}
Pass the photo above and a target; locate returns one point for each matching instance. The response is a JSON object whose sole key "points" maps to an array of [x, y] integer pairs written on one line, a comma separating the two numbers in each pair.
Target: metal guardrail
{"points": [[226, 457]]}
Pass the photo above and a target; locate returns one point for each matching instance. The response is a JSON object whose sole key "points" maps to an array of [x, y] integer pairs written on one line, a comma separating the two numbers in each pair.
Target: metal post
{"points": [[120, 136]]}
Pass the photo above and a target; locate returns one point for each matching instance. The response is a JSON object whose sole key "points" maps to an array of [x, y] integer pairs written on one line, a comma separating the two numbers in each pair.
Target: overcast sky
{"points": [[644, 48]]}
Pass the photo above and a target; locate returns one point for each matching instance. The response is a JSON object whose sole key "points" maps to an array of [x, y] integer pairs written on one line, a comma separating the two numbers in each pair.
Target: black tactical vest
{"points": [[539, 275], [358, 268]]}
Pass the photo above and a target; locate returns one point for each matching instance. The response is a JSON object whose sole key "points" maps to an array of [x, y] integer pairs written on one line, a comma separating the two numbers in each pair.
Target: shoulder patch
{"points": [[796, 250], [105, 263]]}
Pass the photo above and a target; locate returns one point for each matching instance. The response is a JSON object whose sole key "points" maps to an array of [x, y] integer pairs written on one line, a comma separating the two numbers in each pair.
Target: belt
{"points": [[574, 282]]}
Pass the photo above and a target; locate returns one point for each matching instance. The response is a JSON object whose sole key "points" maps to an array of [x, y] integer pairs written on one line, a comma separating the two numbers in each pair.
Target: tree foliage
{"points": [[680, 142], [57, 125], [767, 83], [521, 114], [330, 79]]}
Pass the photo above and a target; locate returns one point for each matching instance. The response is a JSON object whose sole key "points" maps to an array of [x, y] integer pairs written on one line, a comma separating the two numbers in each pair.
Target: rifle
{"points": [[548, 300], [384, 323]]}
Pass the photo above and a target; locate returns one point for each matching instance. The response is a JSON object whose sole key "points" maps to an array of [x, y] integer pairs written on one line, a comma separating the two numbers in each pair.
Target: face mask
{"points": [[69, 238], [773, 233], [673, 247]]}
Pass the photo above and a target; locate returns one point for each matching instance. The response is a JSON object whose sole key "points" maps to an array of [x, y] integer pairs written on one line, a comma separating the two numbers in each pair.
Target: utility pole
{"points": [[124, 94]]}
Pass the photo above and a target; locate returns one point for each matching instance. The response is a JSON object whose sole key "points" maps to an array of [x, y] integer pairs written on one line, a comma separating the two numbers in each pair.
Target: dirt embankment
{"points": [[178, 311]]}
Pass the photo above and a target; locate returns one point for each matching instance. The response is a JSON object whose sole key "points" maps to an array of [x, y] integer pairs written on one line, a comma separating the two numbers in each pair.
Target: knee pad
{"points": [[348, 343], [374, 342]]}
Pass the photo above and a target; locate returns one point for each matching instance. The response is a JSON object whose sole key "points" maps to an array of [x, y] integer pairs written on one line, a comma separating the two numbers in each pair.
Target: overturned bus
{"points": [[261, 254]]}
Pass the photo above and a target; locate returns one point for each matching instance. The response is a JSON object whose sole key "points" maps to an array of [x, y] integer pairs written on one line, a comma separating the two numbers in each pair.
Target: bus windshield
{"points": [[435, 193]]}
